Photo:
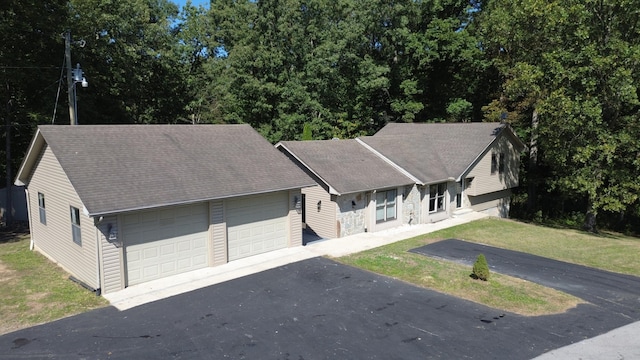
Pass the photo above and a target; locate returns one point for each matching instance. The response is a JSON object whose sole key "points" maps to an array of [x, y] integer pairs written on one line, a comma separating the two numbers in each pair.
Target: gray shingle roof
{"points": [[124, 167], [434, 152], [345, 165]]}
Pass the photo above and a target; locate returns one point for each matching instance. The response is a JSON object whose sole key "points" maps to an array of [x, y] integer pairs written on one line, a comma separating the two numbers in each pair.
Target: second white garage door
{"points": [[257, 224], [165, 242]]}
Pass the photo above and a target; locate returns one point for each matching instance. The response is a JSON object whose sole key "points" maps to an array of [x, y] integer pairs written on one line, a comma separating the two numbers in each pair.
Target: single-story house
{"points": [[357, 191], [119, 205], [452, 168]]}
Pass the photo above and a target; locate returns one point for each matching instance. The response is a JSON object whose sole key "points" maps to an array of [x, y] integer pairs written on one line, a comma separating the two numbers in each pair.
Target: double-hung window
{"points": [[385, 205], [497, 163], [75, 225], [42, 209], [436, 197]]}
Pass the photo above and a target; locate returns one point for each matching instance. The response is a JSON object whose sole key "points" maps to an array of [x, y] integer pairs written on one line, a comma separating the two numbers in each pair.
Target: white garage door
{"points": [[165, 242], [257, 224]]}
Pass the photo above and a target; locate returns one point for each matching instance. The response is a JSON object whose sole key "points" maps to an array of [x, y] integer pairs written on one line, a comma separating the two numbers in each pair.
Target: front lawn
{"points": [[33, 290], [607, 251]]}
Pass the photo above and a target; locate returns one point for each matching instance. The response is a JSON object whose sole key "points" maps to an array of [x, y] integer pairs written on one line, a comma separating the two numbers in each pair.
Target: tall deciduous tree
{"points": [[571, 67], [31, 55], [345, 67], [132, 59]]}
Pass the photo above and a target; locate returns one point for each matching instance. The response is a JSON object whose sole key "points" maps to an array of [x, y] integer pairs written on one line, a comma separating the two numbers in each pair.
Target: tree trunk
{"points": [[590, 219], [532, 179]]}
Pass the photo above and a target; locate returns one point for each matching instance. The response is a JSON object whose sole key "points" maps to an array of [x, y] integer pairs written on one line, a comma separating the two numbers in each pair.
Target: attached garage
{"points": [[165, 242], [257, 224]]}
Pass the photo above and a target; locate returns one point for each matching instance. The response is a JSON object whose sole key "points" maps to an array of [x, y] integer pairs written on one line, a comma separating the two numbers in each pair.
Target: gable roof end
{"points": [[436, 152]]}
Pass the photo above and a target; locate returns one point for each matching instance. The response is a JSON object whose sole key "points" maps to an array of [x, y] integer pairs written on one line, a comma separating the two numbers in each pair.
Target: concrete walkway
{"points": [[159, 289], [620, 343]]}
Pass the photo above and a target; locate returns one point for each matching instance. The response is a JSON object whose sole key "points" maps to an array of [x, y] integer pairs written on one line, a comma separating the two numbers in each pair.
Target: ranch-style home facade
{"points": [[350, 180], [119, 205], [406, 174]]}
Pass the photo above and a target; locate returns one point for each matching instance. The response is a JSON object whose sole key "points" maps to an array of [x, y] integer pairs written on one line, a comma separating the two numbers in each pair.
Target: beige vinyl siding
{"points": [[484, 181], [55, 238], [111, 271], [295, 219], [322, 222], [494, 204], [218, 231]]}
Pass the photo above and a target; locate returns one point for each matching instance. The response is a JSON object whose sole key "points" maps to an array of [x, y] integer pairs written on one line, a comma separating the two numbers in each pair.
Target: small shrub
{"points": [[481, 268]]}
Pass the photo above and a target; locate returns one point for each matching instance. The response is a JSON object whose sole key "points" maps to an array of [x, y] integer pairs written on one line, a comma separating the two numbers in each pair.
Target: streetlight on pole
{"points": [[78, 77]]}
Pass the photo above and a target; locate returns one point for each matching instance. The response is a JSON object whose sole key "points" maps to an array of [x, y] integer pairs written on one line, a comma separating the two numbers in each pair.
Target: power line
{"points": [[30, 67]]}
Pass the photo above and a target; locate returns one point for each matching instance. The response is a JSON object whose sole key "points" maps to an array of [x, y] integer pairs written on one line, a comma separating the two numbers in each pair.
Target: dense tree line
{"points": [[563, 73]]}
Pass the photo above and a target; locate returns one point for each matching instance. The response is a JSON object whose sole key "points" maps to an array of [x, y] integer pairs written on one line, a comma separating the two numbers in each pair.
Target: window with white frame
{"points": [[75, 225], [42, 209], [385, 205], [436, 197]]}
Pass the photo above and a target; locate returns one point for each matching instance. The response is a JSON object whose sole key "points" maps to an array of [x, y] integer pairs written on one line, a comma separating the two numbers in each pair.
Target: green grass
{"points": [[606, 251], [33, 290]]}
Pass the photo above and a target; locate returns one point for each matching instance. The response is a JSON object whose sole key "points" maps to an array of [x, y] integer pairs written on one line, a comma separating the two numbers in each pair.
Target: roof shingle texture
{"points": [[346, 165], [434, 152], [127, 167]]}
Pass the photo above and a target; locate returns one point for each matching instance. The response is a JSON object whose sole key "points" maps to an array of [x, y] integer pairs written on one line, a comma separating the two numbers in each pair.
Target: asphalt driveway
{"points": [[313, 309], [617, 293]]}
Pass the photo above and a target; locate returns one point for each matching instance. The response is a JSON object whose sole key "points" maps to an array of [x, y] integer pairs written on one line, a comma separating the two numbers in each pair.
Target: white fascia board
{"points": [[388, 161], [36, 142]]}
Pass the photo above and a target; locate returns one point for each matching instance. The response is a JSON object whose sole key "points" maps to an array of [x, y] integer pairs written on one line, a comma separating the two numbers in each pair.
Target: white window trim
{"points": [[438, 196], [42, 208], [76, 230], [386, 206]]}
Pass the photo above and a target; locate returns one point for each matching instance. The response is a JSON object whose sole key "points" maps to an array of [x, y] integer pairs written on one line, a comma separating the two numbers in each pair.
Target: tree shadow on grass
{"points": [[13, 233]]}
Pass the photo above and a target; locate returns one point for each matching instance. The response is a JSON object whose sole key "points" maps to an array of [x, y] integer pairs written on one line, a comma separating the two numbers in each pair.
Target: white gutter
{"points": [[98, 257], [31, 243], [189, 202]]}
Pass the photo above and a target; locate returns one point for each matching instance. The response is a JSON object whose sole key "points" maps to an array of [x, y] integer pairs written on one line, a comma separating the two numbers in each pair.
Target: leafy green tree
{"points": [[570, 67], [345, 67], [31, 55], [132, 59]]}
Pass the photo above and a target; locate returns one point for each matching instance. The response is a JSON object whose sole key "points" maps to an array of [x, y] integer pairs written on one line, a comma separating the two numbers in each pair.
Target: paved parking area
{"points": [[312, 309], [292, 304]]}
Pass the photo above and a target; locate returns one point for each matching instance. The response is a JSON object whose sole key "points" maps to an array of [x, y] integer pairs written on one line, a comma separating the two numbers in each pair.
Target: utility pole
{"points": [[73, 76], [71, 88]]}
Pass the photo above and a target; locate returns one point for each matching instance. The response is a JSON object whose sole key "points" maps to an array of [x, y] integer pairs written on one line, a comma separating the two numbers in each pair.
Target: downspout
{"points": [[98, 289], [31, 243]]}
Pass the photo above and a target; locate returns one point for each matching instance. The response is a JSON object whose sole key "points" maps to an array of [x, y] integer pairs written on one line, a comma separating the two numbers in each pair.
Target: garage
{"points": [[165, 242], [257, 224]]}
